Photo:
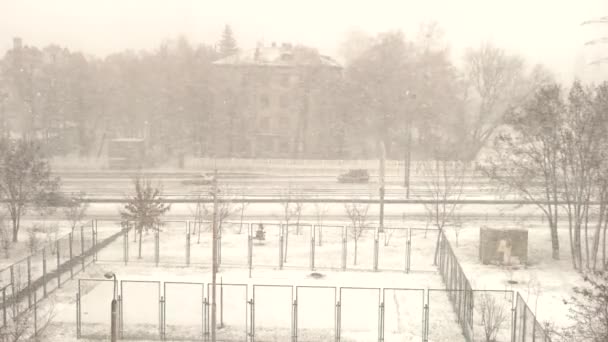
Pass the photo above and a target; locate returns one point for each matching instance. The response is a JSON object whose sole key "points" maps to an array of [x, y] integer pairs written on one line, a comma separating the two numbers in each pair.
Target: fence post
{"points": [[58, 264], [338, 320], [250, 253], [82, 251], [252, 319], [294, 321], [156, 247], [125, 245], [43, 271], [312, 253], [344, 246], [408, 247], [71, 239], [187, 248], [376, 247], [94, 238], [13, 279], [425, 323], [4, 306], [35, 318], [120, 316], [281, 252], [29, 281], [78, 314], [162, 318], [381, 322]]}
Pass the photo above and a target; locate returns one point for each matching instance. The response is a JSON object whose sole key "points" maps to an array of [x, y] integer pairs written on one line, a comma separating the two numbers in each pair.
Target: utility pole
{"points": [[214, 257], [381, 188], [408, 147]]}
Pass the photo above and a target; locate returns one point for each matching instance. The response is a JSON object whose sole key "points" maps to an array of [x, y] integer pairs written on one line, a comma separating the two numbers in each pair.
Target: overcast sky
{"points": [[544, 31]]}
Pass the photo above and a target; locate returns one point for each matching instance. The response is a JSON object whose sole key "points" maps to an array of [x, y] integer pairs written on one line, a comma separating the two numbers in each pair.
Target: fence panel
{"points": [[142, 246], [200, 242], [297, 245], [403, 314], [359, 319], [423, 249], [231, 307], [393, 248], [316, 313], [95, 307], [140, 309], [492, 313], [443, 322], [183, 311], [273, 312], [113, 252], [172, 244], [360, 248], [266, 252], [64, 259], [328, 249], [234, 244]]}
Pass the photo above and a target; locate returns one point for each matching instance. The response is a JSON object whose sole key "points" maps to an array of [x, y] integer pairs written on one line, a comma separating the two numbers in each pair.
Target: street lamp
{"points": [[113, 308]]}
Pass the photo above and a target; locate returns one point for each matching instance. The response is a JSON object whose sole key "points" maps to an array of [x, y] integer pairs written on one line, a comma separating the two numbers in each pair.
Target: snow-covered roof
{"points": [[285, 56]]}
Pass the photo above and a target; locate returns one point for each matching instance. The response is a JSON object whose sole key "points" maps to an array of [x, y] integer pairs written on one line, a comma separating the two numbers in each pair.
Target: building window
{"points": [[284, 146], [283, 124], [285, 80], [283, 101], [264, 101], [264, 124]]}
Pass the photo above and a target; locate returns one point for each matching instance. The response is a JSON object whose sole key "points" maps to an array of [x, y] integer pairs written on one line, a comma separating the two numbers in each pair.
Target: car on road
{"points": [[354, 176], [204, 179]]}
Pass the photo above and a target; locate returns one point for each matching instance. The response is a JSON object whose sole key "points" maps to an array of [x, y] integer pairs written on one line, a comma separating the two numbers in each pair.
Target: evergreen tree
{"points": [[227, 44]]}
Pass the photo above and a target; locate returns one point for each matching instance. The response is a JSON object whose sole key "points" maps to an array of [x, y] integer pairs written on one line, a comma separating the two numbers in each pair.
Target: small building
{"points": [[126, 153]]}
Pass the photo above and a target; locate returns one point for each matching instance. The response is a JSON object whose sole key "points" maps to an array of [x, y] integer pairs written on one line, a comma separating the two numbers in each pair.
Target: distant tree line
{"points": [[390, 84]]}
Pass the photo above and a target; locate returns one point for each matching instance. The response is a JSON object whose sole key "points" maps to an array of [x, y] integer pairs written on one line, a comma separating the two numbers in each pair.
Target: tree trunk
{"points": [[139, 252], [15, 229], [320, 235], [437, 246], [554, 239], [356, 243]]}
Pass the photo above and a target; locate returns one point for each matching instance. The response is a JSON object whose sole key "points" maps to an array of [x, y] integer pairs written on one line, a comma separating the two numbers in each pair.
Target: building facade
{"points": [[274, 101]]}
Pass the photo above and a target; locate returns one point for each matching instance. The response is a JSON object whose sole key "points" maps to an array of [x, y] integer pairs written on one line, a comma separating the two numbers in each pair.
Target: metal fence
{"points": [[26, 283], [465, 301], [302, 246], [149, 310]]}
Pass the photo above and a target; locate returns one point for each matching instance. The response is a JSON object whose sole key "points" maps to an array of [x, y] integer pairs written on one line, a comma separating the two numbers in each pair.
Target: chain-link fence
{"points": [[26, 283], [271, 245], [482, 315], [181, 311]]}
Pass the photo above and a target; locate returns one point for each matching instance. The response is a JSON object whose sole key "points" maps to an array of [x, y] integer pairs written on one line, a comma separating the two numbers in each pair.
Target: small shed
{"points": [[126, 153], [503, 246]]}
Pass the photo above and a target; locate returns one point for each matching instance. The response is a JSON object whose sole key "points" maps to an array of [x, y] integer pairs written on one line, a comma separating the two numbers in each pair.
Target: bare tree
{"points": [[25, 178], [321, 210], [493, 315], [76, 209], [588, 310], [444, 182], [5, 238], [526, 159], [145, 208], [493, 77], [240, 208], [357, 213], [21, 325]]}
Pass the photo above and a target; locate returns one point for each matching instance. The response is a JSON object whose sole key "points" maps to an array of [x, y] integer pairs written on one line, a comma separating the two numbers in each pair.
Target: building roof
{"points": [[283, 56]]}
